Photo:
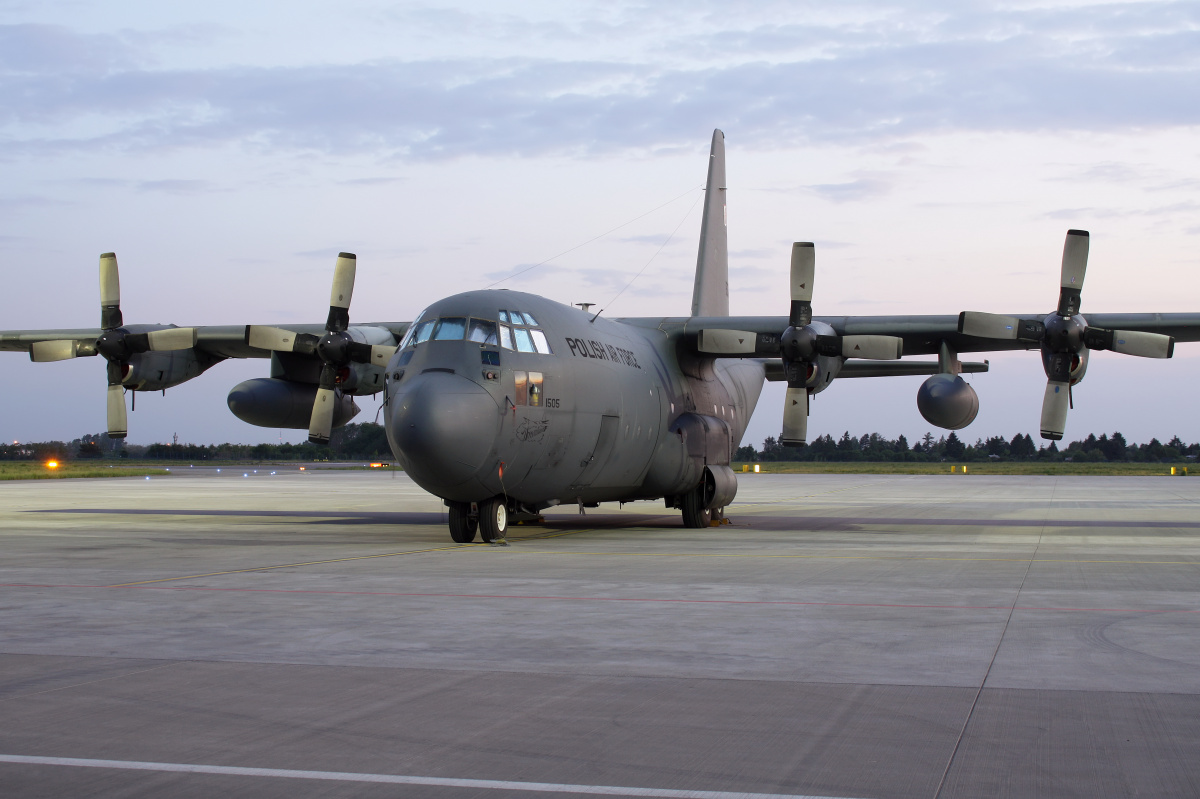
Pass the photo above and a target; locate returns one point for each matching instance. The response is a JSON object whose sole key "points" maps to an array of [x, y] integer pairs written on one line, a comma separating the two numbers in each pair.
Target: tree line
{"points": [[1021, 447], [366, 441]]}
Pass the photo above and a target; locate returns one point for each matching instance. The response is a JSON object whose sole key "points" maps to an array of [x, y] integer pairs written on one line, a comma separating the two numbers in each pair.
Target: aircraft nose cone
{"points": [[444, 427]]}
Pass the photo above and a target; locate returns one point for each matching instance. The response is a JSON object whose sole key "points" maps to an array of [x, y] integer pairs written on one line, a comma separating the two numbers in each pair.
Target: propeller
{"points": [[800, 345], [336, 348], [1064, 336], [115, 343]]}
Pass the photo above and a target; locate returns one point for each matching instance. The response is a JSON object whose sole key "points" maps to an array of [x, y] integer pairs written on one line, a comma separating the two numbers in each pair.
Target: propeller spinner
{"points": [[1064, 335]]}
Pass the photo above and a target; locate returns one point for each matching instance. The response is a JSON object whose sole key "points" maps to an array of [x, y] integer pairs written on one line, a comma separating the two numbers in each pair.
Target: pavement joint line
{"points": [[290, 565], [646, 600], [999, 643], [92, 682], [397, 779], [860, 557]]}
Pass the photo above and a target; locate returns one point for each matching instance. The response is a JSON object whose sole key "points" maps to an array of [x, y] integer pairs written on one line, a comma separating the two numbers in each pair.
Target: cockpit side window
{"points": [[422, 331], [450, 328], [482, 331], [506, 340]]}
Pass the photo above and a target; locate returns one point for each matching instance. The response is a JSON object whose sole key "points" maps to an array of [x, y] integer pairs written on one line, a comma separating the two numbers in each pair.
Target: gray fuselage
{"points": [[606, 411]]}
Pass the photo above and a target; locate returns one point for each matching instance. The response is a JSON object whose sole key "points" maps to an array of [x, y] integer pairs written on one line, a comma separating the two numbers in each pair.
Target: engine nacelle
{"points": [[271, 402], [948, 401], [153, 371]]}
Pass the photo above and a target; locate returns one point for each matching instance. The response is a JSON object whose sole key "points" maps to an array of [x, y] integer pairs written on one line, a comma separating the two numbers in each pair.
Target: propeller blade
{"points": [[1143, 345], [110, 292], [173, 338], [118, 422], [988, 325], [1074, 267], [45, 351], [804, 270], [1054, 409], [343, 290], [726, 342], [875, 348], [795, 417], [320, 424], [270, 338], [382, 353]]}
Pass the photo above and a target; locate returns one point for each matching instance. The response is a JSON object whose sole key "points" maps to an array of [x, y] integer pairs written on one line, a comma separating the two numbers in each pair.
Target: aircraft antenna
{"points": [[594, 238], [652, 257]]}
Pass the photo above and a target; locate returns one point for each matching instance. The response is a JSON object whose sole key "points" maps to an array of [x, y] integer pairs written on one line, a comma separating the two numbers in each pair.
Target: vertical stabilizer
{"points": [[710, 297]]}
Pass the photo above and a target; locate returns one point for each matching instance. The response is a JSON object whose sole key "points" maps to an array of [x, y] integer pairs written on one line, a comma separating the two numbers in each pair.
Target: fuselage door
{"points": [[594, 463]]}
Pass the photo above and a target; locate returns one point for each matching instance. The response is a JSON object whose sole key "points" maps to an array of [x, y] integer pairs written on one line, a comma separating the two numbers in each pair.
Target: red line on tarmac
{"points": [[611, 599]]}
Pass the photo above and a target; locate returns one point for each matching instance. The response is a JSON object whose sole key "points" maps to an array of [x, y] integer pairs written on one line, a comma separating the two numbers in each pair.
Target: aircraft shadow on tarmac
{"points": [[652, 521]]}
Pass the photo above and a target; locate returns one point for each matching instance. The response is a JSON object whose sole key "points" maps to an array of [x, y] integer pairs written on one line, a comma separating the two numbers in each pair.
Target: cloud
{"points": [[873, 78], [175, 186], [655, 239], [864, 188]]}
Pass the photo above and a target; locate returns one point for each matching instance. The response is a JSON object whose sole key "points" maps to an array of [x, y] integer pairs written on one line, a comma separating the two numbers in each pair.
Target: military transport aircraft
{"points": [[503, 403]]}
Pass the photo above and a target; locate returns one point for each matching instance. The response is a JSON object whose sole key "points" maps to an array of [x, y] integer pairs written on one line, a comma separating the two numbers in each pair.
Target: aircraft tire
{"points": [[462, 526], [493, 519], [695, 515]]}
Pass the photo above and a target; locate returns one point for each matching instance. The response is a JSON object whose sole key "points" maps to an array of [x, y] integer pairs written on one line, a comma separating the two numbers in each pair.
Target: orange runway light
{"points": [[301, 468], [51, 464], [376, 465]]}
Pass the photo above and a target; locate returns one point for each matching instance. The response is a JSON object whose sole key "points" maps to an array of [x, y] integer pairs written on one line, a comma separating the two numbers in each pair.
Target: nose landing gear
{"points": [[463, 525], [493, 520], [489, 519]]}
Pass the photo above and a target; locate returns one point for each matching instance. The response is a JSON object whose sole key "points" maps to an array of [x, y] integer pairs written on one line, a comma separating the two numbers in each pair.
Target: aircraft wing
{"points": [[221, 341], [922, 335]]}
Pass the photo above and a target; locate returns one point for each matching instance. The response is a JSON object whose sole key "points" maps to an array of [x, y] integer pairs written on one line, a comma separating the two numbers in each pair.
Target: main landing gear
{"points": [[704, 505], [488, 518]]}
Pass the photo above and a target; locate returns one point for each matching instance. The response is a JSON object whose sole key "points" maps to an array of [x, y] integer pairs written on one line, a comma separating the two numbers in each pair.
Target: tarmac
{"points": [[879, 637]]}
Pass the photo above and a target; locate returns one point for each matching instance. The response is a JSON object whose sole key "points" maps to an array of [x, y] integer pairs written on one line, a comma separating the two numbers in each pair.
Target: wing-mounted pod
{"points": [[273, 402], [337, 349], [812, 352], [945, 399], [140, 357], [1065, 336]]}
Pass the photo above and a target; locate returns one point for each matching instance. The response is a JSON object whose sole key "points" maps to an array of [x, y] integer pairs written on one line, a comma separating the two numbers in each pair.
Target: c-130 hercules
{"points": [[504, 403]]}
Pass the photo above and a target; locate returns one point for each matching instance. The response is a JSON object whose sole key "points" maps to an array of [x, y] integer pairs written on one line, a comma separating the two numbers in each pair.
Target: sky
{"points": [[936, 153]]}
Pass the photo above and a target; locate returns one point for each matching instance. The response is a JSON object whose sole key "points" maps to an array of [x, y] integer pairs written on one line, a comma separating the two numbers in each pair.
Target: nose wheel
{"points": [[463, 526], [493, 519]]}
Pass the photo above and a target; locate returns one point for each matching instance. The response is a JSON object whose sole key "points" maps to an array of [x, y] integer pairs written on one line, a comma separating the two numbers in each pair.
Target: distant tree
{"points": [[954, 448], [745, 453]]}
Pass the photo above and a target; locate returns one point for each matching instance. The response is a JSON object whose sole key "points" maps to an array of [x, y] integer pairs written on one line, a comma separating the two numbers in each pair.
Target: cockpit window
{"points": [[423, 329], [523, 336], [524, 342], [483, 331], [451, 328], [539, 341]]}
